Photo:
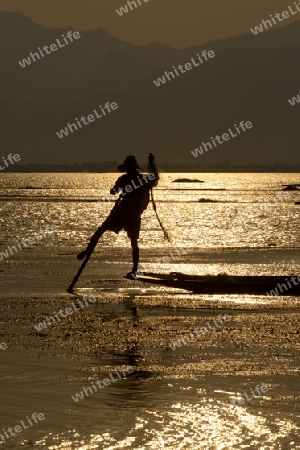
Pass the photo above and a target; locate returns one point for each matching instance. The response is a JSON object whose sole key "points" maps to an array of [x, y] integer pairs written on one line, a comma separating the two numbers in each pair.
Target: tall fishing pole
{"points": [[166, 234], [151, 166]]}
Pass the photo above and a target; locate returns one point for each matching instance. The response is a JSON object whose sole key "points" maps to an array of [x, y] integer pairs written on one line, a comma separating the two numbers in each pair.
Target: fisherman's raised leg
{"points": [[93, 242]]}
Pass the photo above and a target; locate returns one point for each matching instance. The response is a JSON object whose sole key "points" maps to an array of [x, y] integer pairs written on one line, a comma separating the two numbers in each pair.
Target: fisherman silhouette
{"points": [[134, 189]]}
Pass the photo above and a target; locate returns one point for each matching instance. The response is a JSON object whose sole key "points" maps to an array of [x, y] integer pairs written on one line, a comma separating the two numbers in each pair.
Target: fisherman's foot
{"points": [[82, 254], [131, 275]]}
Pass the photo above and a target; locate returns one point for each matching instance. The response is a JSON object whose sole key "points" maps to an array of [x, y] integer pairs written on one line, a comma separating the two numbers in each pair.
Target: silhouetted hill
{"points": [[111, 166], [251, 78]]}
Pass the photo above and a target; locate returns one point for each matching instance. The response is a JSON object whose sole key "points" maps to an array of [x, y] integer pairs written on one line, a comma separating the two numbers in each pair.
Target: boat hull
{"points": [[254, 285]]}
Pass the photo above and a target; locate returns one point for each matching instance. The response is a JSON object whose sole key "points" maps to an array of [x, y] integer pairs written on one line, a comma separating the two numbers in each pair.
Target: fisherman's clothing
{"points": [[133, 201]]}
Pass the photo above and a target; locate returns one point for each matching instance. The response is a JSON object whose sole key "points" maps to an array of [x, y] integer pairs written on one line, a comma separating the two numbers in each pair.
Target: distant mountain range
{"points": [[111, 166], [251, 78]]}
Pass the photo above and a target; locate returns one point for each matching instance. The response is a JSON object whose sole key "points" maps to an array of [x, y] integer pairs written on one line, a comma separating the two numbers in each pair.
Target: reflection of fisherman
{"points": [[134, 198]]}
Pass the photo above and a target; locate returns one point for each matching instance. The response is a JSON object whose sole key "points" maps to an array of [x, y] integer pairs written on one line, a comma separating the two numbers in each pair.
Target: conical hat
{"points": [[129, 162]]}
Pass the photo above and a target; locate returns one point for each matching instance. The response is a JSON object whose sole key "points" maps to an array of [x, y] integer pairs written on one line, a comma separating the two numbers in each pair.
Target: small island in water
{"points": [[187, 180], [291, 187], [207, 200]]}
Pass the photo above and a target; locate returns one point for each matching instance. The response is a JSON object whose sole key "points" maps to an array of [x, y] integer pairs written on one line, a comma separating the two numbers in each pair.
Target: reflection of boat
{"points": [[187, 180], [226, 284]]}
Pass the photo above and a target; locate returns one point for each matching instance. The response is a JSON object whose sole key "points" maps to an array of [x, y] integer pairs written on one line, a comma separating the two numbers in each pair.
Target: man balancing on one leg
{"points": [[134, 198]]}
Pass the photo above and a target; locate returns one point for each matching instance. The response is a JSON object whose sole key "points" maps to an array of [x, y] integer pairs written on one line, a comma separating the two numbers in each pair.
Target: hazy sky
{"points": [[178, 23]]}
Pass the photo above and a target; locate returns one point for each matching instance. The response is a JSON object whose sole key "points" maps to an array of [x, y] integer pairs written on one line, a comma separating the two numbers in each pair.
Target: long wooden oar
{"points": [[70, 288]]}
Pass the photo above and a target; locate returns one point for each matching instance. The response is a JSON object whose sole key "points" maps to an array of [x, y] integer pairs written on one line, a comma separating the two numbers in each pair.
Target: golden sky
{"points": [[179, 23]]}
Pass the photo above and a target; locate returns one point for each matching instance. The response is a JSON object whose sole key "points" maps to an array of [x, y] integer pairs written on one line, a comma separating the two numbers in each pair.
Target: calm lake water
{"points": [[252, 211], [244, 225]]}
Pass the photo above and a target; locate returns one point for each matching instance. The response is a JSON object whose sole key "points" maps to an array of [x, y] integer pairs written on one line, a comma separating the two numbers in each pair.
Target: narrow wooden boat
{"points": [[225, 284]]}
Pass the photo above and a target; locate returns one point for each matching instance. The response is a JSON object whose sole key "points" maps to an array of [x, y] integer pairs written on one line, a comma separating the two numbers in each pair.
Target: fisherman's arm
{"points": [[117, 187]]}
